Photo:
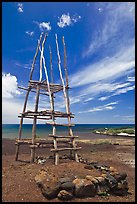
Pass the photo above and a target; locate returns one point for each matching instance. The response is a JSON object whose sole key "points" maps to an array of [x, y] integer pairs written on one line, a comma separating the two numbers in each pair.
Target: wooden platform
{"points": [[45, 113], [54, 88]]}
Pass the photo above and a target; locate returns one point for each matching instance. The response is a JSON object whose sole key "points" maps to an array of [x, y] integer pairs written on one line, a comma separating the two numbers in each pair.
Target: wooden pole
{"points": [[65, 61], [51, 96], [34, 60], [51, 67], [65, 91], [21, 122], [60, 71], [42, 50], [34, 125], [56, 155], [67, 100]]}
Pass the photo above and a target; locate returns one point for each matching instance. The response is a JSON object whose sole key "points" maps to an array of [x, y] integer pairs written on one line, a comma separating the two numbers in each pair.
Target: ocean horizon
{"points": [[10, 131]]}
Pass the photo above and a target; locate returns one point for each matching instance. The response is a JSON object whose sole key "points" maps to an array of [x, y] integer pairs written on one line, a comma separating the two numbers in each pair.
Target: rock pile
{"points": [[109, 182]]}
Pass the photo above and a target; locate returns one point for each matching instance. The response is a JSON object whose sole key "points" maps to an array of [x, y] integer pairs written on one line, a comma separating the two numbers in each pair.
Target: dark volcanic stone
{"points": [[84, 188], [112, 182], [49, 192], [120, 176], [65, 195], [69, 186], [89, 166], [64, 180]]}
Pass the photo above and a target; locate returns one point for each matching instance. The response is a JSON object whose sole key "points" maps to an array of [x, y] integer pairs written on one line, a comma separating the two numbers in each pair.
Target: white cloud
{"points": [[109, 106], [100, 10], [118, 92], [25, 66], [30, 33], [131, 78], [43, 25], [88, 99], [117, 16], [124, 90], [103, 98], [103, 75], [67, 20], [109, 68], [9, 86], [20, 7]]}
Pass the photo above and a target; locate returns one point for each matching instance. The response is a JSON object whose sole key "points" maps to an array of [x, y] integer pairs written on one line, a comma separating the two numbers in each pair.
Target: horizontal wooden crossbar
{"points": [[27, 89], [46, 113], [57, 124], [54, 88], [62, 136], [66, 148]]}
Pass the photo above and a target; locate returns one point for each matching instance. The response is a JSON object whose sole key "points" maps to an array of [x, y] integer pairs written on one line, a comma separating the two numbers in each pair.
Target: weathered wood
{"points": [[65, 61], [37, 141], [26, 89], [34, 82], [32, 117], [65, 91], [49, 88], [51, 67], [60, 72], [34, 60], [66, 148], [41, 56], [72, 144], [34, 125], [54, 88], [47, 113], [63, 136], [57, 124], [21, 122]]}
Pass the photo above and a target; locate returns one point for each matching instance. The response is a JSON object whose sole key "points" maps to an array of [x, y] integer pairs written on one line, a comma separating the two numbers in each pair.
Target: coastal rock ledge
{"points": [[110, 182]]}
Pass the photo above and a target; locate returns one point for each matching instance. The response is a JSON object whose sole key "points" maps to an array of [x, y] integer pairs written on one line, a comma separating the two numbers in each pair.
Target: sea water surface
{"points": [[10, 131]]}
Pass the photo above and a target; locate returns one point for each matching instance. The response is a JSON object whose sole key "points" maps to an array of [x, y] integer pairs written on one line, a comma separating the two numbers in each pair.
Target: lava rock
{"points": [[64, 180], [112, 182], [65, 195], [89, 166], [123, 184], [69, 186], [101, 180], [47, 184], [84, 188], [102, 189], [120, 176], [49, 192], [92, 179], [111, 168]]}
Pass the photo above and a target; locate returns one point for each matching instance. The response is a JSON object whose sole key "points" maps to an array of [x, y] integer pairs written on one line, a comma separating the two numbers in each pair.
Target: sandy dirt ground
{"points": [[18, 184]]}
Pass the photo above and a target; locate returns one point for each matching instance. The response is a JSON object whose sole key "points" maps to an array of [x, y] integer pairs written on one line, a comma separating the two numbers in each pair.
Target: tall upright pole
{"points": [[34, 125], [34, 60], [21, 122], [67, 100], [51, 103]]}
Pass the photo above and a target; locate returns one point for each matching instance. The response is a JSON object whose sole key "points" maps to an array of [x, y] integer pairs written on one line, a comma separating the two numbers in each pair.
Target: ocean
{"points": [[10, 131]]}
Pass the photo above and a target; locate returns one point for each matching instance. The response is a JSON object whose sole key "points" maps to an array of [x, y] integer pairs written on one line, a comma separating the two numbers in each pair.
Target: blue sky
{"points": [[100, 45]]}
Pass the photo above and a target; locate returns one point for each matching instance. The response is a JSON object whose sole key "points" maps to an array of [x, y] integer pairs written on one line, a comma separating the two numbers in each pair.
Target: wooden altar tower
{"points": [[49, 89]]}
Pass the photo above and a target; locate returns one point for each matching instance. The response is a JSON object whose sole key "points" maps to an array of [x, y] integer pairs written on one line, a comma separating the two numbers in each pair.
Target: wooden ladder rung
{"points": [[66, 148], [62, 136]]}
